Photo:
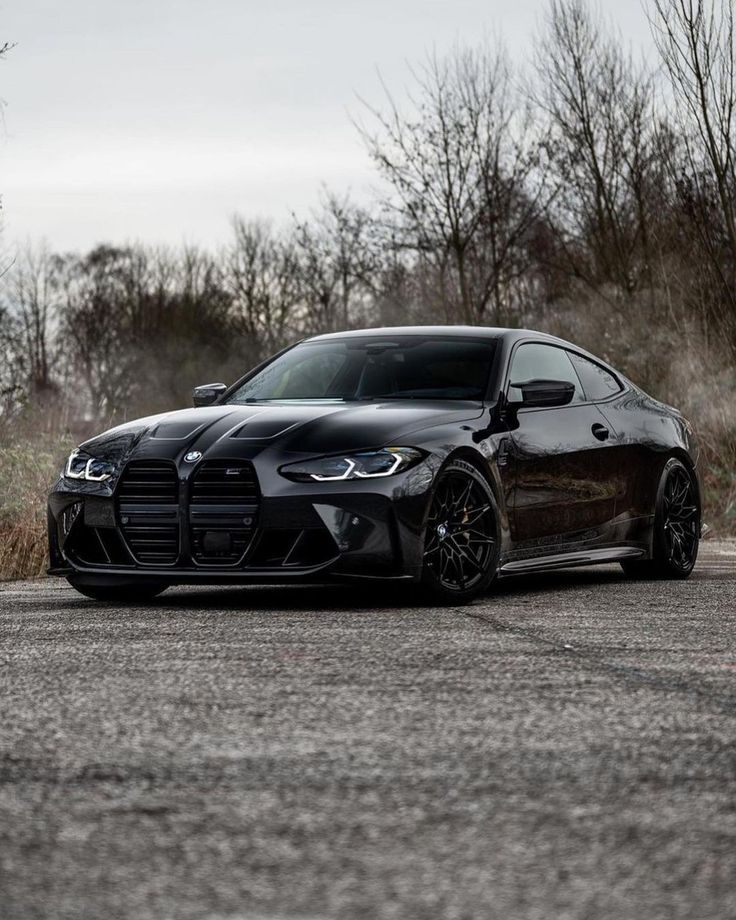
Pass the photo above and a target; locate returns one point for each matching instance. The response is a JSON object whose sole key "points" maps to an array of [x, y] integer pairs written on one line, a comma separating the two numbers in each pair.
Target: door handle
{"points": [[600, 432]]}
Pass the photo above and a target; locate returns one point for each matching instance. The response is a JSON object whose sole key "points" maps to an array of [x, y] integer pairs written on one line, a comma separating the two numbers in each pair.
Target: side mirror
{"points": [[539, 393], [208, 394]]}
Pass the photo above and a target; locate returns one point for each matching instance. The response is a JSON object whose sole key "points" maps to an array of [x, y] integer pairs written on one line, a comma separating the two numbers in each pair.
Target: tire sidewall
{"points": [[659, 545]]}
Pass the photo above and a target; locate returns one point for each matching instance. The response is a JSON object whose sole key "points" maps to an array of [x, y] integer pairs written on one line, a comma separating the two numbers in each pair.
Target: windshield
{"points": [[404, 367]]}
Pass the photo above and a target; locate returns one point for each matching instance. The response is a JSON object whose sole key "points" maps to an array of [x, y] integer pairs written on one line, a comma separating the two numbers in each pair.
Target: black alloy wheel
{"points": [[462, 536], [676, 527]]}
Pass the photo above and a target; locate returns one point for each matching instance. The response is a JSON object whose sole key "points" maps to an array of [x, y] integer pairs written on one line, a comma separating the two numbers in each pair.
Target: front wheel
{"points": [[462, 536], [676, 527], [122, 594]]}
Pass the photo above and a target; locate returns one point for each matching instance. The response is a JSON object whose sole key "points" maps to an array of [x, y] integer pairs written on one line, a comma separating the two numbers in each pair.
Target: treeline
{"points": [[589, 192], [132, 328]]}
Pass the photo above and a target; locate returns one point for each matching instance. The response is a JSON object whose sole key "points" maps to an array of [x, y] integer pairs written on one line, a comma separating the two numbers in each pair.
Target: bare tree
{"points": [[604, 146], [13, 389], [262, 275], [695, 39], [5, 263], [337, 261], [466, 176], [141, 326], [31, 316], [94, 324]]}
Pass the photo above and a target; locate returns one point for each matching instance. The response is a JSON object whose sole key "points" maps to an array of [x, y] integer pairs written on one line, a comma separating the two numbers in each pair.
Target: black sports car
{"points": [[446, 456]]}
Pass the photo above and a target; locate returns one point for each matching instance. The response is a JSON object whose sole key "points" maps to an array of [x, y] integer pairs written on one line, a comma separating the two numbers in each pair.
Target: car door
{"points": [[562, 473], [637, 461]]}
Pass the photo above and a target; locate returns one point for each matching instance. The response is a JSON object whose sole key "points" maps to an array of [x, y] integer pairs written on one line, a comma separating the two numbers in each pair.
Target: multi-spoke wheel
{"points": [[462, 540], [676, 527]]}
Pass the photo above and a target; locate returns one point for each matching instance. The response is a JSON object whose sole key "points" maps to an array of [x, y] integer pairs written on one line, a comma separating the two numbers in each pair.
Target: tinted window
{"points": [[597, 382], [405, 367], [535, 361]]}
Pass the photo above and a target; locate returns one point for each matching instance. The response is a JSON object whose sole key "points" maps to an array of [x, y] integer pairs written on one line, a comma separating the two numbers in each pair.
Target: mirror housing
{"points": [[207, 394], [541, 393]]}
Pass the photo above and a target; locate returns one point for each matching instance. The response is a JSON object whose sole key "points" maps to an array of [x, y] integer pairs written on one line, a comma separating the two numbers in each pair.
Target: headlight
{"points": [[371, 464], [81, 466]]}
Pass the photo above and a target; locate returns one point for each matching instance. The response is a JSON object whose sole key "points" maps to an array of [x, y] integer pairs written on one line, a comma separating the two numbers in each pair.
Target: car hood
{"points": [[318, 428]]}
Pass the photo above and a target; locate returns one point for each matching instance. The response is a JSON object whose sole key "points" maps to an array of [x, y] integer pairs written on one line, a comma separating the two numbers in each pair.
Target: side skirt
{"points": [[567, 560]]}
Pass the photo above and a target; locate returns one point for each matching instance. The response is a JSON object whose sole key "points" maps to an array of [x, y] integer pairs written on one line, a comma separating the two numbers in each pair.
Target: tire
{"points": [[123, 594], [676, 527], [462, 536]]}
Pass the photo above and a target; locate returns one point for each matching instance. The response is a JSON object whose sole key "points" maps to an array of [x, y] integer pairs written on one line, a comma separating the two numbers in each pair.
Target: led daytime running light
{"points": [[86, 473]]}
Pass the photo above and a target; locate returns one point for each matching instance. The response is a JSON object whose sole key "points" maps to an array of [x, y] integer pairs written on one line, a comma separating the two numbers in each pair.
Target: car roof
{"points": [[490, 332], [476, 332]]}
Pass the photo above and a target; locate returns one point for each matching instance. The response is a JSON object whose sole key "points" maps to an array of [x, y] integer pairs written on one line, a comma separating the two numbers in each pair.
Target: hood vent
{"points": [[270, 424]]}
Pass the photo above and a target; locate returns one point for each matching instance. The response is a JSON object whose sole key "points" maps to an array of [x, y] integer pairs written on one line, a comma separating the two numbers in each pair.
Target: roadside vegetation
{"points": [[30, 460], [585, 192]]}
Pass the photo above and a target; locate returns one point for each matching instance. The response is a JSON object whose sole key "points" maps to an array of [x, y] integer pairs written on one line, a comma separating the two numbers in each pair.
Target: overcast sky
{"points": [[157, 119]]}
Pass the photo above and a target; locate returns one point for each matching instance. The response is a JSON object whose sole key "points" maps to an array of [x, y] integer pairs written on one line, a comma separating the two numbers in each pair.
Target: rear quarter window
{"points": [[597, 382]]}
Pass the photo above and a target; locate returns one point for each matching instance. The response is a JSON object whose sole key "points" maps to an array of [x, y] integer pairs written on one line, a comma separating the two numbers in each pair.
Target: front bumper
{"points": [[295, 532]]}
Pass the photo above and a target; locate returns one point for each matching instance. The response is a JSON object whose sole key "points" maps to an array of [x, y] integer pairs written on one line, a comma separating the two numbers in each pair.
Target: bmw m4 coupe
{"points": [[445, 456]]}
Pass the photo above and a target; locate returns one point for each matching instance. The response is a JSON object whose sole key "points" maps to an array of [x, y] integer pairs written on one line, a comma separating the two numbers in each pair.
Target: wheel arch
{"points": [[481, 464], [673, 453], [653, 565], [679, 453], [471, 462], [478, 462], [486, 467]]}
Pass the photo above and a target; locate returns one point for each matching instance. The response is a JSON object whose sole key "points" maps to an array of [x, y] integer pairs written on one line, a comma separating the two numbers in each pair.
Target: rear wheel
{"points": [[462, 535], [123, 594], [676, 527]]}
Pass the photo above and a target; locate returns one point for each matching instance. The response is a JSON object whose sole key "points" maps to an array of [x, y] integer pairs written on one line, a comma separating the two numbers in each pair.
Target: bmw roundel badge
{"points": [[192, 456]]}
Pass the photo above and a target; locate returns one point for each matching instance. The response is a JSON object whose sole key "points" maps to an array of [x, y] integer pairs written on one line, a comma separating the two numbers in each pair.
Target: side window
{"points": [[536, 361], [597, 382]]}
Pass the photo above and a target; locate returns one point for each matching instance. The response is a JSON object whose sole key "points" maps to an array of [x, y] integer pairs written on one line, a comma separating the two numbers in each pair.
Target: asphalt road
{"points": [[561, 749]]}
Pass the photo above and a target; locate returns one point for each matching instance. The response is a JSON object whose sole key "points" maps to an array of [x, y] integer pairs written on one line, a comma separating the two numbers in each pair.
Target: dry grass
{"points": [[23, 550], [719, 481], [28, 469]]}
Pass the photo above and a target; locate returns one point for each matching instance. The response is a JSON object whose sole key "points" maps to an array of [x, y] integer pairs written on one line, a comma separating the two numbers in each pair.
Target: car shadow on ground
{"points": [[361, 597]]}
